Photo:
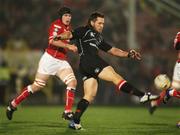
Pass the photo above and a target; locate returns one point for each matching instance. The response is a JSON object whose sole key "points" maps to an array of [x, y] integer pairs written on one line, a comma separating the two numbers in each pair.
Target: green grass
{"points": [[96, 121]]}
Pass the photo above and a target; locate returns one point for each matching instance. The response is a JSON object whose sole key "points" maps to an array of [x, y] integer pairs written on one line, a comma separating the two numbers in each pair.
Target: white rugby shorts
{"points": [[50, 65], [176, 76]]}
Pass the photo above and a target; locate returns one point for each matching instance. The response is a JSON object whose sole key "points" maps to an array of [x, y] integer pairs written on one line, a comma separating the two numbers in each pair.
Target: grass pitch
{"points": [[97, 120]]}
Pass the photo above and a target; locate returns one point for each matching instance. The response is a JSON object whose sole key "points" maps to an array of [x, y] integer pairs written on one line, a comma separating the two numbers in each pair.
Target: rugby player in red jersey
{"points": [[173, 91], [53, 62]]}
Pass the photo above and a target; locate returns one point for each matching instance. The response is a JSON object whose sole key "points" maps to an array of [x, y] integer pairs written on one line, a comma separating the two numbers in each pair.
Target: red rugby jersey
{"points": [[56, 28]]}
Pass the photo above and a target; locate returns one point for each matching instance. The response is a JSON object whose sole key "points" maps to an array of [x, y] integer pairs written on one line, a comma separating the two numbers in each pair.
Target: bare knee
{"points": [[72, 83], [70, 80], [35, 88], [109, 74], [38, 85], [117, 79]]}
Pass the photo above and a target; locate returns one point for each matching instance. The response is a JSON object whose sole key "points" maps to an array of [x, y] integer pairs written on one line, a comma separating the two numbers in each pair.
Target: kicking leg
{"points": [[109, 74]]}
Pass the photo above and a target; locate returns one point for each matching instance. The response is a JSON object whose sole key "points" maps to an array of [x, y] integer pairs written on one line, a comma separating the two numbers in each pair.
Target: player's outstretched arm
{"points": [[120, 53]]}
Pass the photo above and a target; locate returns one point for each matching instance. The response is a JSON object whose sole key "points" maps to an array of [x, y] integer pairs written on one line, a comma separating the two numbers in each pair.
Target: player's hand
{"points": [[134, 54], [63, 36], [66, 35], [72, 47], [57, 37]]}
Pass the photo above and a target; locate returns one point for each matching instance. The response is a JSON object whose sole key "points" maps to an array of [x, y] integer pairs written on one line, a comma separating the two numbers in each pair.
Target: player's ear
{"points": [[92, 23]]}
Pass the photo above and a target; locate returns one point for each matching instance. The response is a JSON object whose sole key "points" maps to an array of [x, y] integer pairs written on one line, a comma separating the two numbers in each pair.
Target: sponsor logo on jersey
{"points": [[54, 33], [92, 34], [97, 70], [56, 29], [94, 45], [57, 26]]}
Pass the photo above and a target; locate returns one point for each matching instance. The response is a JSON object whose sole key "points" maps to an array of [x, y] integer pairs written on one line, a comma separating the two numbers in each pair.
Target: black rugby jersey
{"points": [[89, 41]]}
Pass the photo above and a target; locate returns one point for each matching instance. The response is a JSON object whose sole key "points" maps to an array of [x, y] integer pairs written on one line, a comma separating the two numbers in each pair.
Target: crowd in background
{"points": [[23, 38]]}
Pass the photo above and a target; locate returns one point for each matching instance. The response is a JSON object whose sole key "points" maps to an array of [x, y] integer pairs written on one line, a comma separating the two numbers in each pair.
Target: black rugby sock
{"points": [[81, 107], [128, 88]]}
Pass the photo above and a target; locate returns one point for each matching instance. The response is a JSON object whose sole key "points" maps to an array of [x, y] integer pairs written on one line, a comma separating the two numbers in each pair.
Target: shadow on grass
{"points": [[69, 131], [156, 128], [9, 127], [150, 124]]}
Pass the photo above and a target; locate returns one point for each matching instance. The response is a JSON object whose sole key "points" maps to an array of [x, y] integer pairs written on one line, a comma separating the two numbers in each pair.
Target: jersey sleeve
{"points": [[105, 46], [78, 33]]}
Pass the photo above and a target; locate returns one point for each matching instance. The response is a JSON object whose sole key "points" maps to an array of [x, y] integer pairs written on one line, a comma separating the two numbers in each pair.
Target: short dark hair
{"points": [[94, 16], [64, 10]]}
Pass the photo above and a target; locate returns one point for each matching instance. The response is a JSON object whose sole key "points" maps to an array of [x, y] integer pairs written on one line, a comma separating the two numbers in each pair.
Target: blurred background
{"points": [[146, 25]]}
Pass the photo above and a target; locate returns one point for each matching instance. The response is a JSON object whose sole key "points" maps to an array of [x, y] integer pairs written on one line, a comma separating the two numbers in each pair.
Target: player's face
{"points": [[98, 24], [66, 19]]}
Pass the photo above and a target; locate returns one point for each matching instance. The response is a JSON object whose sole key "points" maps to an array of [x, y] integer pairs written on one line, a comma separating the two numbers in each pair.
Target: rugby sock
{"points": [[174, 93], [161, 97], [128, 88], [24, 94], [81, 107], [69, 99]]}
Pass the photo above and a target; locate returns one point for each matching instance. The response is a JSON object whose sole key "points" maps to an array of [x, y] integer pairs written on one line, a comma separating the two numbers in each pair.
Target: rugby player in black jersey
{"points": [[92, 66]]}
